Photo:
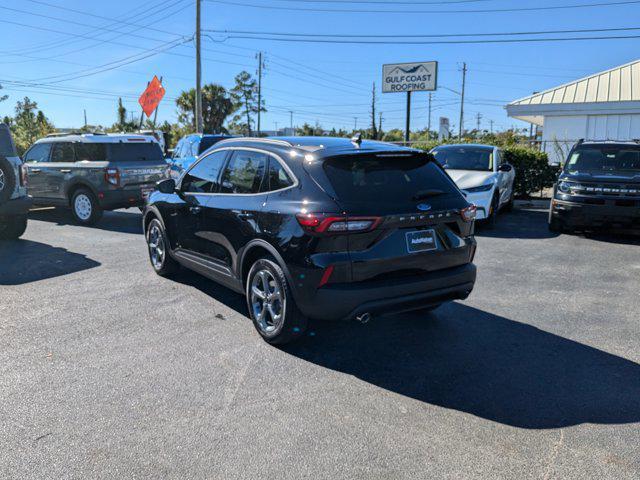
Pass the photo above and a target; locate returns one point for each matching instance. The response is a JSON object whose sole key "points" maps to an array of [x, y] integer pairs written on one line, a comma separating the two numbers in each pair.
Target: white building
{"points": [[603, 106]]}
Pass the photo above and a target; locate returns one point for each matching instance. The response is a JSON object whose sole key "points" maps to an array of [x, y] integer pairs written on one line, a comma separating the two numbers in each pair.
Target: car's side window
{"points": [[91, 152], [278, 177], [244, 173], [203, 177], [63, 153], [38, 153], [195, 145], [177, 152]]}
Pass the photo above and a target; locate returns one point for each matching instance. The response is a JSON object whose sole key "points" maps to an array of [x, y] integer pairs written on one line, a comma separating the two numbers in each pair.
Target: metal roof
{"points": [[619, 84]]}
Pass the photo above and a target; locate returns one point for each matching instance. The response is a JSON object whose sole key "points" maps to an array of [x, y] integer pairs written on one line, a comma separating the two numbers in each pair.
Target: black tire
{"points": [[85, 207], [291, 324], [7, 180], [556, 225], [509, 206], [12, 228], [492, 219], [161, 261]]}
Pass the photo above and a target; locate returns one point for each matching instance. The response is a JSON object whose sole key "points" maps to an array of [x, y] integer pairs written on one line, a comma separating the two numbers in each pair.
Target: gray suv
{"points": [[14, 201], [94, 172]]}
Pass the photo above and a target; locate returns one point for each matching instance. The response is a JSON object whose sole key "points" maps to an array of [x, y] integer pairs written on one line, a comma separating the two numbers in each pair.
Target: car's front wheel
{"points": [[161, 261], [271, 305], [85, 207]]}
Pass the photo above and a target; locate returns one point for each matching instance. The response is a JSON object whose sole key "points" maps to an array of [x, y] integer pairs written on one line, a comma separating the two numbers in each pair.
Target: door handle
{"points": [[245, 215], [195, 210], [34, 170], [65, 170]]}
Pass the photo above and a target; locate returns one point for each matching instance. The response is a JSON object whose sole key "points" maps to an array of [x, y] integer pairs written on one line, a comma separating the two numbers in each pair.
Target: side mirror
{"points": [[168, 185], [505, 167]]}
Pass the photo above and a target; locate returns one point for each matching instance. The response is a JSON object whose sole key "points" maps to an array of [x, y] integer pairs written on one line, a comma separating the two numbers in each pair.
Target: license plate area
{"points": [[421, 241]]}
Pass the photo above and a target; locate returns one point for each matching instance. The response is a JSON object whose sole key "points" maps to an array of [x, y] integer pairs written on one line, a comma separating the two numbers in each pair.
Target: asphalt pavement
{"points": [[109, 371]]}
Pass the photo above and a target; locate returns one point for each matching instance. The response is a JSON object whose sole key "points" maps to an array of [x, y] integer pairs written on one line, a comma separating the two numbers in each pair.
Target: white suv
{"points": [[14, 201]]}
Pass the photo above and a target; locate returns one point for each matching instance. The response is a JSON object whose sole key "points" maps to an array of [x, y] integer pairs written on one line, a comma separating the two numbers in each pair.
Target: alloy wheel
{"points": [[268, 301], [82, 206], [3, 181], [156, 247]]}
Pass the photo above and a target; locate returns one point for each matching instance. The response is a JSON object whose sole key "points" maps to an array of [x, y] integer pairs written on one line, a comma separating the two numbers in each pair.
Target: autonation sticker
{"points": [[409, 77]]}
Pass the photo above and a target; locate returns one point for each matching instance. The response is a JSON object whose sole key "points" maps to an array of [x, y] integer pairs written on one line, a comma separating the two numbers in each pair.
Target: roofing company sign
{"points": [[409, 77]]}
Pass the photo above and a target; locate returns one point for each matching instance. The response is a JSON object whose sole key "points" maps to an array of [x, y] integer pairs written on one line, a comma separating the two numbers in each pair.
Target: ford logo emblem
{"points": [[424, 207]]}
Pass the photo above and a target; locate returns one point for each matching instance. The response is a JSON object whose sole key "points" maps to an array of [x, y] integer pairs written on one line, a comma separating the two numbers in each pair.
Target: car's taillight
{"points": [[112, 176], [320, 223], [469, 214], [24, 179]]}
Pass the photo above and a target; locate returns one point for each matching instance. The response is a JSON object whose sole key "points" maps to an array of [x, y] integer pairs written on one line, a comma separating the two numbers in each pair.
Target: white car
{"points": [[481, 174]]}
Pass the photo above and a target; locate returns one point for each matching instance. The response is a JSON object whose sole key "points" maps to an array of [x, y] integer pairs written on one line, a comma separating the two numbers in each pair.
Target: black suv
{"points": [[323, 228], [599, 186]]}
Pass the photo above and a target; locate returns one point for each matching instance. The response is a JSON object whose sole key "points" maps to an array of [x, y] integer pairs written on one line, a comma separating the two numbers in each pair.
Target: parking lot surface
{"points": [[109, 371]]}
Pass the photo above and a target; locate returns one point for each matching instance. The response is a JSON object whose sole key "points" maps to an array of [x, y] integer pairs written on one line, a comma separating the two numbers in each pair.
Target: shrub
{"points": [[533, 172]]}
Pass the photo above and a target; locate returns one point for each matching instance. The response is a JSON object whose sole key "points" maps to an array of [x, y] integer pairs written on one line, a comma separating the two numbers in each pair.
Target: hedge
{"points": [[533, 172]]}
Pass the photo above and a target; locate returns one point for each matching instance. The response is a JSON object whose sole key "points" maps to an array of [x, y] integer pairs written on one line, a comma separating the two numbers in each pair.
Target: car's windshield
{"points": [[465, 158], [604, 158]]}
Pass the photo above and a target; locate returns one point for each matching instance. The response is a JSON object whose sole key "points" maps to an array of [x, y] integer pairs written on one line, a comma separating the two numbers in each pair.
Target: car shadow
{"points": [[519, 223], [472, 361], [121, 221], [24, 261]]}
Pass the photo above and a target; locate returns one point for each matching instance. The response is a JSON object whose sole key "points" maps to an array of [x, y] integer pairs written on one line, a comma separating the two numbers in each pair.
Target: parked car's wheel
{"points": [[161, 260], [7, 180], [85, 207], [12, 228], [509, 206], [271, 305], [492, 216], [556, 225]]}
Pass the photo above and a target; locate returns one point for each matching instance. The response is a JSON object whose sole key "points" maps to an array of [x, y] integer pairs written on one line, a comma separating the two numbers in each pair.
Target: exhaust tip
{"points": [[363, 318]]}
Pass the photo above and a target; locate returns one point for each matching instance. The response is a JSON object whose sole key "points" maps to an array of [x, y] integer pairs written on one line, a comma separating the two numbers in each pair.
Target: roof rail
{"points": [[275, 141]]}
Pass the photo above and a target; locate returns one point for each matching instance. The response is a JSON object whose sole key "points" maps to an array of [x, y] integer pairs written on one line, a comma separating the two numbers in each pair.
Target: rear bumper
{"points": [[18, 206], [585, 215], [346, 301], [114, 199]]}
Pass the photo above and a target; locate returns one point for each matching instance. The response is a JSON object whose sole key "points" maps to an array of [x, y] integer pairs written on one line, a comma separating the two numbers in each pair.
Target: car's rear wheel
{"points": [[161, 260], [271, 305], [85, 207], [12, 228]]}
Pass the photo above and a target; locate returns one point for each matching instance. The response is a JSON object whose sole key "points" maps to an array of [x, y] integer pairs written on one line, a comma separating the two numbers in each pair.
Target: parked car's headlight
{"points": [[481, 188], [569, 187]]}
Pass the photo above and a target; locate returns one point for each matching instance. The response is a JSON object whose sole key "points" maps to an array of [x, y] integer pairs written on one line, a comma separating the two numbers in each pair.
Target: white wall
{"points": [[561, 132]]}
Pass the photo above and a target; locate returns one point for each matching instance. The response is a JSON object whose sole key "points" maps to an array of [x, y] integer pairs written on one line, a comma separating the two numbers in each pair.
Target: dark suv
{"points": [[599, 186], [94, 172], [323, 228]]}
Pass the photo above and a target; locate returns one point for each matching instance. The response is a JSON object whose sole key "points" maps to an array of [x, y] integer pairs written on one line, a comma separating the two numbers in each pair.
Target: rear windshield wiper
{"points": [[422, 194]]}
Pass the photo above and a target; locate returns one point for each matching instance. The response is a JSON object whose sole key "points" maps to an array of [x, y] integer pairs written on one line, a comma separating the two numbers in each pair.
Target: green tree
{"points": [[122, 125], [3, 97], [245, 97], [217, 105], [29, 124]]}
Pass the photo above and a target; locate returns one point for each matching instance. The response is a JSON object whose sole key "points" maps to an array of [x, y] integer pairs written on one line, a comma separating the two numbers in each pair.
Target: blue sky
{"points": [[328, 83]]}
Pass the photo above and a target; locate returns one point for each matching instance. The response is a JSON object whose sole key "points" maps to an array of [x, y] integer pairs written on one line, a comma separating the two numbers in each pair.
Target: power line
{"points": [[396, 11]]}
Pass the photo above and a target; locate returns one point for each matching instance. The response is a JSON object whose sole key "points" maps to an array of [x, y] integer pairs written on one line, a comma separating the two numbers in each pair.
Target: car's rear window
{"points": [[135, 152], [370, 178], [208, 142]]}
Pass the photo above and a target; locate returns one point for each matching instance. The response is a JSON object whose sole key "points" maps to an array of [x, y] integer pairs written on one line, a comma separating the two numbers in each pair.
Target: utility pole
{"points": [[380, 125], [355, 123], [85, 118], [199, 126], [276, 127], [429, 122], [407, 132], [464, 79], [291, 120], [259, 89], [491, 123], [478, 119]]}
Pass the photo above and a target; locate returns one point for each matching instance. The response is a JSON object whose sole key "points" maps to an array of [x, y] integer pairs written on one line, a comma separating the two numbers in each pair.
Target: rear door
{"points": [[417, 207]]}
